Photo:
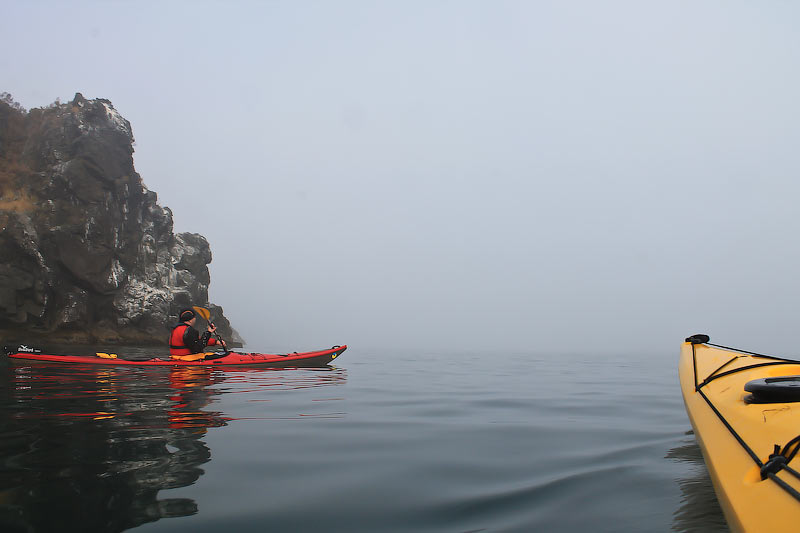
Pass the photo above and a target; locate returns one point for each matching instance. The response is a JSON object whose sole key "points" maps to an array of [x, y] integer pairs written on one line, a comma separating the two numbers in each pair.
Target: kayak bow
{"points": [[744, 409]]}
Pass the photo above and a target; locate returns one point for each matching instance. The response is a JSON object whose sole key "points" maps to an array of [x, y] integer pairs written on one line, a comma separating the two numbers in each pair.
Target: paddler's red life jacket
{"points": [[176, 344]]}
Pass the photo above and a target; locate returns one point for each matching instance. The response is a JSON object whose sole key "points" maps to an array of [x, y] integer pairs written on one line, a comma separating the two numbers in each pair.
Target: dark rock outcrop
{"points": [[86, 252]]}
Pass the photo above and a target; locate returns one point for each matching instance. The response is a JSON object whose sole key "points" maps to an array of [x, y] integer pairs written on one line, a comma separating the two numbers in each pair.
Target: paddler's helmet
{"points": [[187, 314]]}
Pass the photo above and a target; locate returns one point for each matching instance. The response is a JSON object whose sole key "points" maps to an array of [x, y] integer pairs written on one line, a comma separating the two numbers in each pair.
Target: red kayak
{"points": [[24, 353]]}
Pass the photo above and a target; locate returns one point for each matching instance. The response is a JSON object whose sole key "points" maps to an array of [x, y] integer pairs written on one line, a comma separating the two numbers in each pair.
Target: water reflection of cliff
{"points": [[699, 510], [88, 449]]}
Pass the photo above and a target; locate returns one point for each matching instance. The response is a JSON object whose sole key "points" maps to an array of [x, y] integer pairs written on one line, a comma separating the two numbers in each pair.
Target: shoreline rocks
{"points": [[86, 252]]}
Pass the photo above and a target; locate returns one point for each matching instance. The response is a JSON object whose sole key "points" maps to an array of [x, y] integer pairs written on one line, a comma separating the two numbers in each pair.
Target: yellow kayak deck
{"points": [[738, 437]]}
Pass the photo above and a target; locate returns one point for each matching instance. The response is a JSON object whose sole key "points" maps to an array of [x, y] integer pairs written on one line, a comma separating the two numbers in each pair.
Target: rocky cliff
{"points": [[86, 252]]}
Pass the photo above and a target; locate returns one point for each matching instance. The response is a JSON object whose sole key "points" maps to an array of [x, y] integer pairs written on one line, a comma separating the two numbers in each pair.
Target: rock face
{"points": [[86, 252]]}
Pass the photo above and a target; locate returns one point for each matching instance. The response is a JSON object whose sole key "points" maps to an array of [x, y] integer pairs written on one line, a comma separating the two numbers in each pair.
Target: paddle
{"points": [[206, 314]]}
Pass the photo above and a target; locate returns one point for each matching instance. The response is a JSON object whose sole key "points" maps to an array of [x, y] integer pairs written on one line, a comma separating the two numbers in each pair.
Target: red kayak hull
{"points": [[305, 359]]}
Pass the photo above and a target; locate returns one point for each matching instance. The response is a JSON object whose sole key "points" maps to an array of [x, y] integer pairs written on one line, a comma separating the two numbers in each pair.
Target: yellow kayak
{"points": [[745, 411]]}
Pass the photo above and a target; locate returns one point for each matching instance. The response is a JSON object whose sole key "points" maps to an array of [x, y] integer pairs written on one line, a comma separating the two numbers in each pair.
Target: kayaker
{"points": [[185, 340]]}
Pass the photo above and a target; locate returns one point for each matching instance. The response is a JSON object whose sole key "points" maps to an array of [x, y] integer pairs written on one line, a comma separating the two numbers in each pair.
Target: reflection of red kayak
{"points": [[306, 359]]}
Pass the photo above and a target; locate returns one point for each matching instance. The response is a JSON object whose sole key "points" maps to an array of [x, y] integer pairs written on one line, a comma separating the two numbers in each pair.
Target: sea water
{"points": [[382, 440]]}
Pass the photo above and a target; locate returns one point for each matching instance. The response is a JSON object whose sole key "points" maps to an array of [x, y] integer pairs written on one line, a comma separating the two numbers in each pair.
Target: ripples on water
{"points": [[384, 442]]}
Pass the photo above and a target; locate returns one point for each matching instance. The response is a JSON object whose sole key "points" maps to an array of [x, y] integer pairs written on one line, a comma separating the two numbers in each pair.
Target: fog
{"points": [[499, 176]]}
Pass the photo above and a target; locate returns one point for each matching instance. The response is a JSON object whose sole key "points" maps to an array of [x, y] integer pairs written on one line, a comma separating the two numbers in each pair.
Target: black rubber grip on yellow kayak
{"points": [[783, 389], [699, 338]]}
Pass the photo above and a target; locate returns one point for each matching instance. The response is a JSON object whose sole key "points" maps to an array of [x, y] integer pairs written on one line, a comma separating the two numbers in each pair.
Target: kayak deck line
{"points": [[714, 375], [736, 484]]}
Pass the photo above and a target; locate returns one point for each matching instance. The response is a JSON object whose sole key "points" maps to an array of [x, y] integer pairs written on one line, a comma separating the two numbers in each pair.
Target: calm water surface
{"points": [[382, 441]]}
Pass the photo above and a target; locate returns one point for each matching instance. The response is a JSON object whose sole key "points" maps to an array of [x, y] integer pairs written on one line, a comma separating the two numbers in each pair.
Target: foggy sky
{"points": [[548, 176]]}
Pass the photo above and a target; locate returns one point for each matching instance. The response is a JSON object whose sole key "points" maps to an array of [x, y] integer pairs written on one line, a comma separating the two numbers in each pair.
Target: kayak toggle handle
{"points": [[699, 338]]}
